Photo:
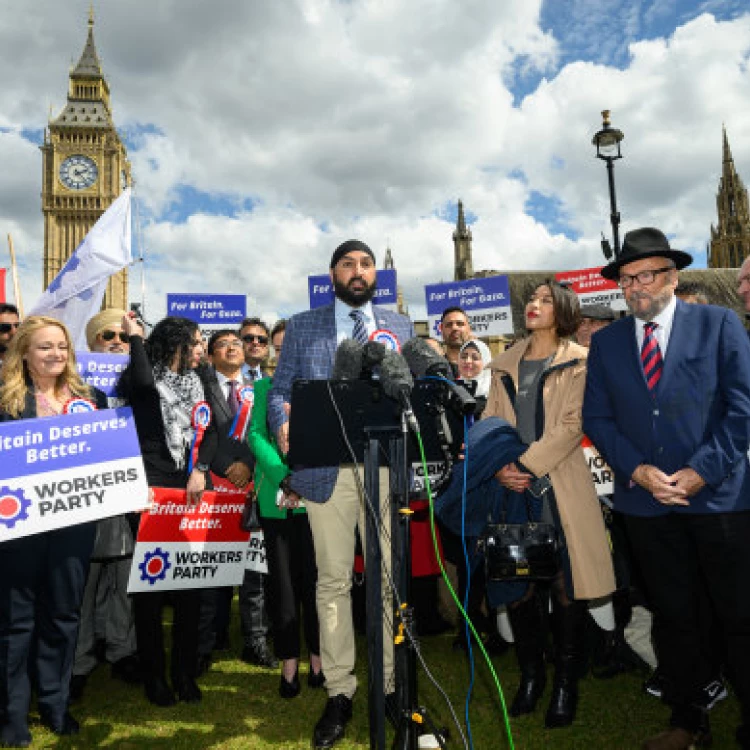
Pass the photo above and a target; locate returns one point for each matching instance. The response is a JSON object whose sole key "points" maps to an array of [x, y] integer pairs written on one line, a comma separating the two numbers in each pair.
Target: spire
{"points": [[726, 153], [463, 265], [388, 261], [461, 223], [88, 66]]}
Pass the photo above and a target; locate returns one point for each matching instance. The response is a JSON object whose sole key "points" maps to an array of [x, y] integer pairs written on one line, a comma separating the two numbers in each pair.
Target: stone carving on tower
{"points": [[84, 168], [464, 266], [730, 239], [388, 264]]}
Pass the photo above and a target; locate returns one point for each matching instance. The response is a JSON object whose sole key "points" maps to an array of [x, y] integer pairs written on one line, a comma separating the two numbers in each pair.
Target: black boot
{"points": [[564, 699], [528, 634]]}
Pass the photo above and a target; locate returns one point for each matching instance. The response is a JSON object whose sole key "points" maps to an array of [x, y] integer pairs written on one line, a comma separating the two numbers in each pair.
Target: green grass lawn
{"points": [[241, 709]]}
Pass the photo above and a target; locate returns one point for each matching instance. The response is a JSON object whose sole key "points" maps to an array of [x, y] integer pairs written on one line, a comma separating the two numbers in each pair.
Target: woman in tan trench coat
{"points": [[537, 385]]}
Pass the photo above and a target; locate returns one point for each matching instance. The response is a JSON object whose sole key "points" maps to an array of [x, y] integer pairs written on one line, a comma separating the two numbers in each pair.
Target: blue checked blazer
{"points": [[308, 353]]}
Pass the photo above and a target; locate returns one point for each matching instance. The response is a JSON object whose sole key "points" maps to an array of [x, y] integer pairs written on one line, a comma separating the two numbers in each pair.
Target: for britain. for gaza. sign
{"points": [[486, 303], [208, 309], [66, 470], [320, 289]]}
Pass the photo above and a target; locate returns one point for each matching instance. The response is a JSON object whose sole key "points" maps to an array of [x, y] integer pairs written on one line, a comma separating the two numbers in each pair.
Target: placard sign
{"points": [[101, 371], [486, 303], [66, 470], [255, 557], [209, 309], [592, 288], [183, 546], [320, 289], [603, 476]]}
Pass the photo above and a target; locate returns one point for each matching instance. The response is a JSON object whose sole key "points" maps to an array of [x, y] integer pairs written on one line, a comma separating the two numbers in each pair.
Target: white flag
{"points": [[76, 293]]}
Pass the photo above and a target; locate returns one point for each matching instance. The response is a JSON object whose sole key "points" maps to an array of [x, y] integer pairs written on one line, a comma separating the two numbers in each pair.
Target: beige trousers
{"points": [[333, 524]]}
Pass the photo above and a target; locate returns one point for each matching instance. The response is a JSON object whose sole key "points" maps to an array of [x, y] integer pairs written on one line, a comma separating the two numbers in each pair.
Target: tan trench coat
{"points": [[559, 454]]}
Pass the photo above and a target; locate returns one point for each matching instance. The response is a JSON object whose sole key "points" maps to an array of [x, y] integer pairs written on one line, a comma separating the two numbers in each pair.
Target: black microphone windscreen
{"points": [[395, 374], [347, 363], [372, 354], [424, 360]]}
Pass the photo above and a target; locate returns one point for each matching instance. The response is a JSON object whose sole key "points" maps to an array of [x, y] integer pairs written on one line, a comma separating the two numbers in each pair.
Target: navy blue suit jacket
{"points": [[309, 349], [698, 416]]}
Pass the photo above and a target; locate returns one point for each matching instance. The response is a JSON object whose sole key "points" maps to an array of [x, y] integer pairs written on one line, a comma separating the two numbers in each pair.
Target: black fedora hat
{"points": [[645, 243]]}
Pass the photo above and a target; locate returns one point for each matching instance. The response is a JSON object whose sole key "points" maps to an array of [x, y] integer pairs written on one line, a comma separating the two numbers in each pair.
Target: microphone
{"points": [[372, 355], [397, 383], [425, 361], [347, 363]]}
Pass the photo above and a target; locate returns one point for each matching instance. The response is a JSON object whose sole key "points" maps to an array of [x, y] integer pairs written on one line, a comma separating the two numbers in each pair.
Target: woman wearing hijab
{"points": [[43, 579], [537, 385], [473, 358], [162, 387]]}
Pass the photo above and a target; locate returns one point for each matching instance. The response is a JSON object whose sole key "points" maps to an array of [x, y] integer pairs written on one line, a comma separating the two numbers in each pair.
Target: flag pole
{"points": [[14, 274]]}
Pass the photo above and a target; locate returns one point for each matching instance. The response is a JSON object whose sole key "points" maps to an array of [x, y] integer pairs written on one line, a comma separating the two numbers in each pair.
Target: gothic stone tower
{"points": [[84, 169], [730, 240], [464, 266]]}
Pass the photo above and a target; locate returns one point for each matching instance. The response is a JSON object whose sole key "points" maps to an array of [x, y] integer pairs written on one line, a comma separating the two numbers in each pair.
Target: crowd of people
{"points": [[663, 394]]}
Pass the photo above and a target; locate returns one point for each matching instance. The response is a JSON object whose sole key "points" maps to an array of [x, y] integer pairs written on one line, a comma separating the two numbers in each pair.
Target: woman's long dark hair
{"points": [[169, 337]]}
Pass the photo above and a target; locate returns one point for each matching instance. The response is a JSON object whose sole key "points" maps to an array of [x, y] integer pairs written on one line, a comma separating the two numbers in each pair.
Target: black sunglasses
{"points": [[109, 335], [8, 327], [248, 338]]}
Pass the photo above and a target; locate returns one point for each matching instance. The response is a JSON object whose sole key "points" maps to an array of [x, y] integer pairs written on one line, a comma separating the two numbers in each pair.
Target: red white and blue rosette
{"points": [[201, 418], [241, 422], [387, 338], [78, 405]]}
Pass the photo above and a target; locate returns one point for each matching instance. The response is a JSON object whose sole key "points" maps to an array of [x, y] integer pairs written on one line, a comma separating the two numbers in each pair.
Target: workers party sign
{"points": [[592, 288], [183, 546], [66, 470]]}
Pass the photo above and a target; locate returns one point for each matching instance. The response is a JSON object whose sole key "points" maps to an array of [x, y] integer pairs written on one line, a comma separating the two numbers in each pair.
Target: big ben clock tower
{"points": [[84, 169]]}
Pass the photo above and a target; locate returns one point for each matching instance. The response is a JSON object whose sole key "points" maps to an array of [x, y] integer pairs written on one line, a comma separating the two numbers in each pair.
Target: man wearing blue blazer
{"points": [[667, 404], [332, 497]]}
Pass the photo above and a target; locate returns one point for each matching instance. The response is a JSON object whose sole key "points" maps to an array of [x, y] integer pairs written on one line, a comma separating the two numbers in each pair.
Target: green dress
{"points": [[270, 466]]}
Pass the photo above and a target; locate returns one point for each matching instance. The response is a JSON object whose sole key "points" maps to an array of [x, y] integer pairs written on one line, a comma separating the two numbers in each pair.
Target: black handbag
{"points": [[250, 520], [520, 551]]}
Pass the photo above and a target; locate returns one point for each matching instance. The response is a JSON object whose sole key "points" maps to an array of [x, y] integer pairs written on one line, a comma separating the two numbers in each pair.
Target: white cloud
{"points": [[364, 119]]}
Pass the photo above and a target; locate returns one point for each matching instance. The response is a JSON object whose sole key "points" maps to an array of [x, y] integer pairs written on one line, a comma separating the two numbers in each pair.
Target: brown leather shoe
{"points": [[677, 738]]}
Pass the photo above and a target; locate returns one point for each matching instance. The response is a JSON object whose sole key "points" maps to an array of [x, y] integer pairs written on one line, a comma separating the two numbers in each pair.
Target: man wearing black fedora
{"points": [[667, 404]]}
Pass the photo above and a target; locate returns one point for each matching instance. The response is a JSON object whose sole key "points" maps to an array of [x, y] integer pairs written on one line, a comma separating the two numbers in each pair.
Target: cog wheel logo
{"points": [[155, 566], [14, 507]]}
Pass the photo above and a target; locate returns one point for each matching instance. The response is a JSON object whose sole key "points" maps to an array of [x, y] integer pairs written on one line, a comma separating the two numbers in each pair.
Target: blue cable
{"points": [[470, 650]]}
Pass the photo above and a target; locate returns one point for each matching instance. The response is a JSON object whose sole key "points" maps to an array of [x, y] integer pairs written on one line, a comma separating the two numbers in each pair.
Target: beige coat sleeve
{"points": [[563, 436]]}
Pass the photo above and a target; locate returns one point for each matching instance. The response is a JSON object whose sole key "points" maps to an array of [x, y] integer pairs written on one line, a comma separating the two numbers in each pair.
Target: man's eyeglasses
{"points": [[110, 335], [227, 344], [8, 327], [249, 338], [644, 278]]}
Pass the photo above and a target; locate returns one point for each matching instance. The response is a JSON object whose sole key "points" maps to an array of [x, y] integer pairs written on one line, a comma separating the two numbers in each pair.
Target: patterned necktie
{"points": [[651, 359], [360, 332], [232, 400]]}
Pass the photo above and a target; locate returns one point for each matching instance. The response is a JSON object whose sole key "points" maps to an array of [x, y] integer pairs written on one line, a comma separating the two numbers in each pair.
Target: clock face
{"points": [[78, 172]]}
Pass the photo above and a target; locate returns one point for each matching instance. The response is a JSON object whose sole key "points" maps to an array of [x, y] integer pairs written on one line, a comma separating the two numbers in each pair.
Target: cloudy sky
{"points": [[262, 134]]}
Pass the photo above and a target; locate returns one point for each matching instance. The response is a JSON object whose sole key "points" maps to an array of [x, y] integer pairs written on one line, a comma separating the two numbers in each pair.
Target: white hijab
{"points": [[485, 376]]}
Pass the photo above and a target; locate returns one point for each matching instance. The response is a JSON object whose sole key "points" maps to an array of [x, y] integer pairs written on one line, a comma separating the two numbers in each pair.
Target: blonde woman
{"points": [[42, 585]]}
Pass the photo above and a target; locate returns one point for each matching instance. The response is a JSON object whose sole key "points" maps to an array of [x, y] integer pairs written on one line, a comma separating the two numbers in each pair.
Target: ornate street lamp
{"points": [[607, 142]]}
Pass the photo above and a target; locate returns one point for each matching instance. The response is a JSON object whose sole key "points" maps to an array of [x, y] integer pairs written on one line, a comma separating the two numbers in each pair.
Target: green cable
{"points": [[455, 597]]}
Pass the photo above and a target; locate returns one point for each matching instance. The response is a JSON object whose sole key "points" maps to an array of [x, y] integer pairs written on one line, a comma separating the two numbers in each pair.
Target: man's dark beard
{"points": [[352, 297]]}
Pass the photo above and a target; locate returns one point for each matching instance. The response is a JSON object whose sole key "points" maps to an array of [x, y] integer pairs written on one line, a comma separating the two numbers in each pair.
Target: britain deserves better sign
{"points": [[66, 470], [182, 546]]}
